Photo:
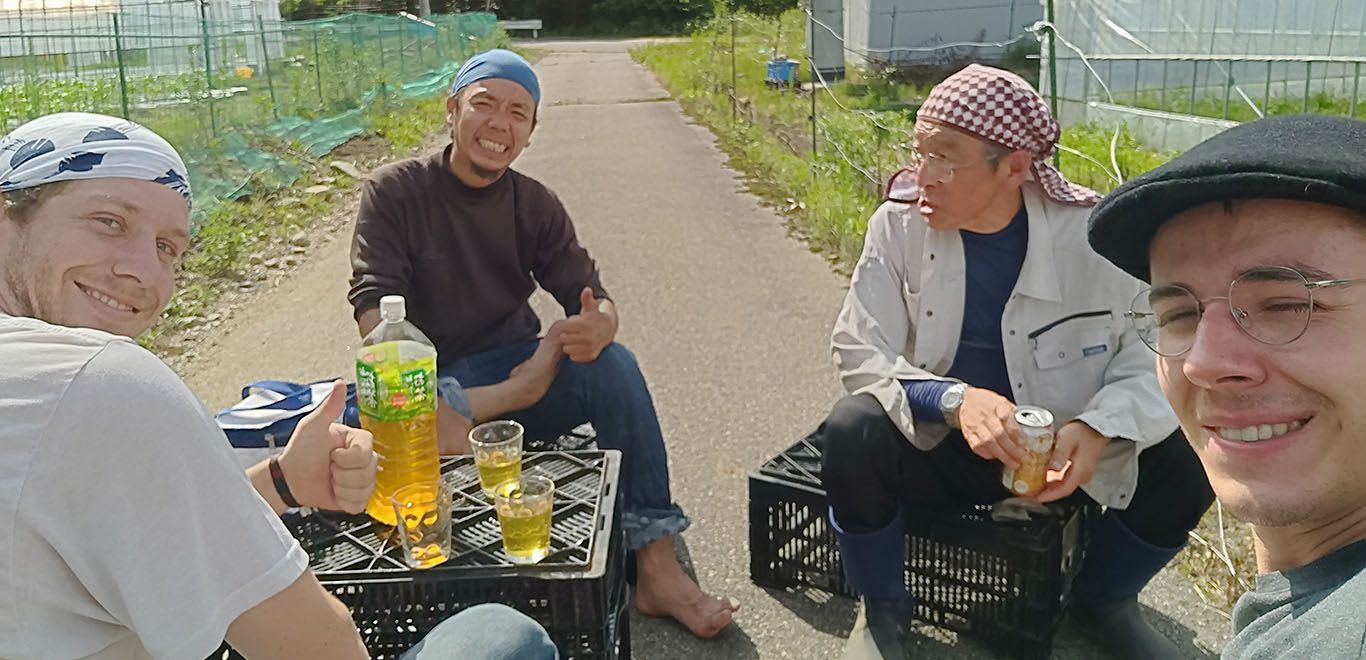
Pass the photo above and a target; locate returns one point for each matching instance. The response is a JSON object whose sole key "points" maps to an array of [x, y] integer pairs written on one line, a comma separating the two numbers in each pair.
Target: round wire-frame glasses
{"points": [[1271, 304]]}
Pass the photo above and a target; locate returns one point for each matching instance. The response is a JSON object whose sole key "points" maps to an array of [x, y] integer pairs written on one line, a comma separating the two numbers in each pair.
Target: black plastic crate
{"points": [[1006, 584], [578, 593]]}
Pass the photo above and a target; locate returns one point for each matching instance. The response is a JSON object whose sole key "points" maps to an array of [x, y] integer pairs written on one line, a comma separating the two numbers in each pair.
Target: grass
{"points": [[1085, 156], [1219, 561], [1179, 101], [860, 140]]}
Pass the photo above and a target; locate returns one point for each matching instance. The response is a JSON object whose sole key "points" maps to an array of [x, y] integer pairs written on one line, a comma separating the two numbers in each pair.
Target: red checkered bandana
{"points": [[1000, 107]]}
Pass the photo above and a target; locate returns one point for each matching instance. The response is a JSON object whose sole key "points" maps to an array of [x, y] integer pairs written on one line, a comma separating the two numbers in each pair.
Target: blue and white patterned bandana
{"points": [[72, 146]]}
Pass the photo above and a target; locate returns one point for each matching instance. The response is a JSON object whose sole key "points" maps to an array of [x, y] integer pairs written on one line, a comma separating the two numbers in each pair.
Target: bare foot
{"points": [[533, 377], [664, 590]]}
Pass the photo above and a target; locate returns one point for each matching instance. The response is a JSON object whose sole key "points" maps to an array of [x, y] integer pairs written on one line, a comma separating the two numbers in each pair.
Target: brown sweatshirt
{"points": [[466, 259]]}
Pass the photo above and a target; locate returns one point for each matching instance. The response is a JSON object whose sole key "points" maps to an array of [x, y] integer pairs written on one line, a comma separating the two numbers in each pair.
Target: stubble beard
{"points": [[18, 297], [485, 173]]}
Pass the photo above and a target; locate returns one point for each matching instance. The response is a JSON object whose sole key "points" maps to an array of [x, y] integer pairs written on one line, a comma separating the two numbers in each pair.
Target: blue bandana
{"points": [[71, 146], [498, 63]]}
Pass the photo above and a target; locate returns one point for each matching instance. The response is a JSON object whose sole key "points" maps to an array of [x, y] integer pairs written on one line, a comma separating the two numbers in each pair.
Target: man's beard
{"points": [[485, 173]]}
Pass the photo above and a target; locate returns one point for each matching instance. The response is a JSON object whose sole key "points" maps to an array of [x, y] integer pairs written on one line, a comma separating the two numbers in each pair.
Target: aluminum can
{"points": [[1036, 427]]}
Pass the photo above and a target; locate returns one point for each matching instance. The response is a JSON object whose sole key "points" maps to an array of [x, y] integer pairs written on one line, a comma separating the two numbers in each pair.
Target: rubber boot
{"points": [[1105, 594], [874, 565]]}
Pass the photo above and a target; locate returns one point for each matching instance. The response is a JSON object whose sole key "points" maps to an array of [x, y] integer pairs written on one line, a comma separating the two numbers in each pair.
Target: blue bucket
{"points": [[781, 72]]}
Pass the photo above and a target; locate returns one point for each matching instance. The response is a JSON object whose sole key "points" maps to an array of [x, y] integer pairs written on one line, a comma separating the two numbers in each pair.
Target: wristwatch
{"points": [[950, 402]]}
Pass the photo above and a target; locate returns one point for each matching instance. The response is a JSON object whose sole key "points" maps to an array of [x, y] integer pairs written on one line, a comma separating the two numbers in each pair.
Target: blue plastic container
{"points": [[781, 72]]}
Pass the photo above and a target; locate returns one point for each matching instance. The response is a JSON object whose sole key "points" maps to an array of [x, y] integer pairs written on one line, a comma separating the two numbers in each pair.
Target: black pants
{"points": [[870, 471]]}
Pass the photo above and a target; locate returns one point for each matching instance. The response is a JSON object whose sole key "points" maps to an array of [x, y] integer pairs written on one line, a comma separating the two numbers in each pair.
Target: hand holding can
{"points": [[1037, 433]]}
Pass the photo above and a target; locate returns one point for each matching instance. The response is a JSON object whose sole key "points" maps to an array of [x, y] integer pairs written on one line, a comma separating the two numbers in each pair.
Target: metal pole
{"points": [[1162, 94], [1266, 94], [1138, 69], [734, 77], [1195, 82], [1228, 87], [318, 70], [379, 32], [208, 64], [1052, 66], [118, 54], [1356, 89], [402, 59], [813, 117], [811, 62], [265, 64], [1308, 75], [1275, 30], [1333, 27], [892, 53]]}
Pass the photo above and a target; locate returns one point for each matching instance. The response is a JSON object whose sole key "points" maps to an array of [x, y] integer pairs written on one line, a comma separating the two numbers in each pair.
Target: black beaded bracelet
{"points": [[281, 486]]}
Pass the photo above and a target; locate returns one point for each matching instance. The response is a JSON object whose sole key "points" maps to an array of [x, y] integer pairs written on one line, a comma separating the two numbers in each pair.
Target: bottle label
{"points": [[393, 391]]}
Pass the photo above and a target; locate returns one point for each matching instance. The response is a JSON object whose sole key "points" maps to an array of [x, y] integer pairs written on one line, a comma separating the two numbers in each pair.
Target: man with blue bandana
{"points": [[130, 531], [467, 240]]}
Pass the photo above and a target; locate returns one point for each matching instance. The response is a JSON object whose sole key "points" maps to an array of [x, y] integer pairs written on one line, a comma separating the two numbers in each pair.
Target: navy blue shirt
{"points": [[992, 264]]}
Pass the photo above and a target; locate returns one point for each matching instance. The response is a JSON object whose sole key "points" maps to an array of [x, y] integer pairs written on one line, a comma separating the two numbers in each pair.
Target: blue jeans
{"points": [[610, 393], [485, 632]]}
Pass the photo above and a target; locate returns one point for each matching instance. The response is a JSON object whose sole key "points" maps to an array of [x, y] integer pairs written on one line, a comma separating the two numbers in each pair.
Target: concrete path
{"points": [[729, 315]]}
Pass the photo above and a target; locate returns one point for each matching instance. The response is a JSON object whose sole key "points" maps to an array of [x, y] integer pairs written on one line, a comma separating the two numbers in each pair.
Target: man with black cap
{"points": [[1254, 245], [975, 292], [466, 240]]}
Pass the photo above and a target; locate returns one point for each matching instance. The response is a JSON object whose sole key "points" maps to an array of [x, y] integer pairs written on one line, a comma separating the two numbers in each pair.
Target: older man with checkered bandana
{"points": [[976, 291]]}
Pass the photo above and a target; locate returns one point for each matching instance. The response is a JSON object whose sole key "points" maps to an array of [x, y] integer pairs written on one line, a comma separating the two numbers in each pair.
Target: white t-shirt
{"points": [[127, 530]]}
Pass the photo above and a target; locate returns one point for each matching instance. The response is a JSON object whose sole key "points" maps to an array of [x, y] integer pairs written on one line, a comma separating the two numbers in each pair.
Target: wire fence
{"points": [[234, 95]]}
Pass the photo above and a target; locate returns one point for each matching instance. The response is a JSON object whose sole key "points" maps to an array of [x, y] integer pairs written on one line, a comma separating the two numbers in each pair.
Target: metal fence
{"points": [[189, 73], [236, 96]]}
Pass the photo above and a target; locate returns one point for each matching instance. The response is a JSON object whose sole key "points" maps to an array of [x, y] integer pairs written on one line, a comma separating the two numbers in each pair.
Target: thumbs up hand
{"points": [[585, 334], [328, 465]]}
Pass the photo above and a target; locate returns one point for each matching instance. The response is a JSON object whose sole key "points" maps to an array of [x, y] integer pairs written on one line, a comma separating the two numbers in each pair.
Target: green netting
{"points": [[243, 99]]}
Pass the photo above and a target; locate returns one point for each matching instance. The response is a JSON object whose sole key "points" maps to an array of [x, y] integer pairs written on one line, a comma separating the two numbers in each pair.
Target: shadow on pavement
{"points": [[834, 615], [1069, 642]]}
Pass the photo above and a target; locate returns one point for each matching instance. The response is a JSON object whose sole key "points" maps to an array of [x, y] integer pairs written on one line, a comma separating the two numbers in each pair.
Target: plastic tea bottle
{"points": [[396, 393]]}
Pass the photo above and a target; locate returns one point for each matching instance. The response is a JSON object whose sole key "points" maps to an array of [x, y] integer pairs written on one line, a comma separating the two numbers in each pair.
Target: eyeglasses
{"points": [[1271, 304], [932, 167]]}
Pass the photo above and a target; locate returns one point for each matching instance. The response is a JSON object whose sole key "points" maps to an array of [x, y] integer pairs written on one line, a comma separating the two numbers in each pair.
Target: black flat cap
{"points": [[1302, 157]]}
